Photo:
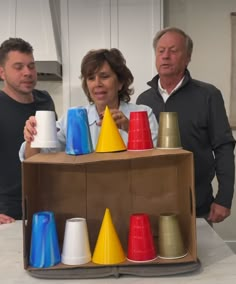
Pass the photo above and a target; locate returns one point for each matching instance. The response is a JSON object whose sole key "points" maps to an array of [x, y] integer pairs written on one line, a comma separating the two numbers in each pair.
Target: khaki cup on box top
{"points": [[46, 136], [168, 132], [76, 247], [171, 243]]}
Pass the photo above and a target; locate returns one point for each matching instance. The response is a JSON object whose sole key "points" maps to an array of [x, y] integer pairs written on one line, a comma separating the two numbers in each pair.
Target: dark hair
{"points": [[14, 44], [188, 40], [94, 60]]}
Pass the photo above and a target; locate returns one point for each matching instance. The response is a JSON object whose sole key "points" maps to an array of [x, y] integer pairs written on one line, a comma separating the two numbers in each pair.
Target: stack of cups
{"points": [[76, 248], [139, 135], [140, 242]]}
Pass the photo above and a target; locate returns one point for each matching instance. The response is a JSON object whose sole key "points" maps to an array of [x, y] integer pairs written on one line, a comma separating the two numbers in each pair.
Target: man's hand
{"points": [[218, 213], [4, 219]]}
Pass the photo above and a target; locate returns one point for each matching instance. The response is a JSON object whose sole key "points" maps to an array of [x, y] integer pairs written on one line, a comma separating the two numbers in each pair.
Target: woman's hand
{"points": [[120, 119]]}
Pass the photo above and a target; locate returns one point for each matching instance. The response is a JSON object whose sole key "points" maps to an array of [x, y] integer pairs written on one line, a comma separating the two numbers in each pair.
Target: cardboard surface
{"points": [[153, 181]]}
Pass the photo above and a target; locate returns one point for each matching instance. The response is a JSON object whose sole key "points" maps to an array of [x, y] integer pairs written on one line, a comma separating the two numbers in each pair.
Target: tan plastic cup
{"points": [[168, 132], [46, 136], [170, 240], [76, 247]]}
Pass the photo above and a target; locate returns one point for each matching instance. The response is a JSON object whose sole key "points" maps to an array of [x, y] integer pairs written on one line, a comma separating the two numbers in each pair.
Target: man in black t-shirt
{"points": [[18, 101]]}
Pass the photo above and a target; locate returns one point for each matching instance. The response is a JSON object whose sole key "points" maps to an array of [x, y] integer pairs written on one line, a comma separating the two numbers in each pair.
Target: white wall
{"points": [[55, 90], [208, 23]]}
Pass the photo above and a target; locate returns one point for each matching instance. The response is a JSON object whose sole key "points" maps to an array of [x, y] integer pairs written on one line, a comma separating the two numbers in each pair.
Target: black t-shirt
{"points": [[13, 116]]}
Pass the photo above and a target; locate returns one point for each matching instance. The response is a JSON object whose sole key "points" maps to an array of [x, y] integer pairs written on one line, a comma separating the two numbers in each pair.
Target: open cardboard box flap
{"points": [[152, 182]]}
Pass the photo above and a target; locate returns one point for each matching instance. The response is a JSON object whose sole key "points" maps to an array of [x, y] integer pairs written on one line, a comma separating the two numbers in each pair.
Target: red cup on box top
{"points": [[139, 135], [140, 241]]}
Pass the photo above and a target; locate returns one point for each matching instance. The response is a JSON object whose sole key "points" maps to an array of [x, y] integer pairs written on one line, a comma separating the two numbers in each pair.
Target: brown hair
{"points": [[94, 60], [14, 44]]}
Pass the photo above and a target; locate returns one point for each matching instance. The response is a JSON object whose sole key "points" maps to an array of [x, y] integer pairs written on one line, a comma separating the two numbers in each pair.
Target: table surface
{"points": [[217, 259]]}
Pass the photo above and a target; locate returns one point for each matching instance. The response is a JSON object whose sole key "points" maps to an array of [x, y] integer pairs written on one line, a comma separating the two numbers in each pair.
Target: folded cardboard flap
{"points": [[153, 182], [150, 270]]}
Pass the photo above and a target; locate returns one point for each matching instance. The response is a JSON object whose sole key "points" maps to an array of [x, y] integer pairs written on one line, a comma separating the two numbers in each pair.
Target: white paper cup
{"points": [[76, 247], [46, 136]]}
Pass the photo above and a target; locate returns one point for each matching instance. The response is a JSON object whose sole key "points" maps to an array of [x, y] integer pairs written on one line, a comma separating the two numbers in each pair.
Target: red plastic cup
{"points": [[140, 242], [139, 136]]}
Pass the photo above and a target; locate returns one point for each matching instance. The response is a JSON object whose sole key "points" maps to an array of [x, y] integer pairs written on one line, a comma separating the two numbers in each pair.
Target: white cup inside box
{"points": [[76, 247]]}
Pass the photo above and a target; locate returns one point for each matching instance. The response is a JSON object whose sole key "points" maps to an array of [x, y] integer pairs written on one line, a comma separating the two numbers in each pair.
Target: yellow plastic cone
{"points": [[108, 249], [109, 139]]}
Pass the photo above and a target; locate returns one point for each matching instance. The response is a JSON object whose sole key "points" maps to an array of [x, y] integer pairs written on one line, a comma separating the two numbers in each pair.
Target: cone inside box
{"points": [[108, 249]]}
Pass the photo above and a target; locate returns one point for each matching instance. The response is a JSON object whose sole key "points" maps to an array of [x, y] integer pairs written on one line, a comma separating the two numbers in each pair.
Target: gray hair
{"points": [[188, 40]]}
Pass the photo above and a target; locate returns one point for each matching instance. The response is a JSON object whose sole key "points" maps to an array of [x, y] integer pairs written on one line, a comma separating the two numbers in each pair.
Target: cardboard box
{"points": [[153, 182]]}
